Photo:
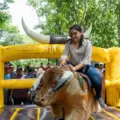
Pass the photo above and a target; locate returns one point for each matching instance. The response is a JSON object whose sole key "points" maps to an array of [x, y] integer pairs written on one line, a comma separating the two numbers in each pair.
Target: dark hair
{"points": [[96, 65], [78, 28], [19, 69], [30, 69]]}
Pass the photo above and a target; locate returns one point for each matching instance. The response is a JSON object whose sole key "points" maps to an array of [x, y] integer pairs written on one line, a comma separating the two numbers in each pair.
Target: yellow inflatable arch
{"points": [[110, 57]]}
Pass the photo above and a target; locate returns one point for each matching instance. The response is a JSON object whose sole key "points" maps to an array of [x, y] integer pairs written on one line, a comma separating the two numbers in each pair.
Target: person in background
{"points": [[13, 76], [25, 70], [98, 69], [101, 66], [29, 74], [7, 72], [48, 67], [41, 70], [17, 95], [6, 91], [19, 72], [12, 73], [103, 73], [21, 95], [41, 66], [34, 72]]}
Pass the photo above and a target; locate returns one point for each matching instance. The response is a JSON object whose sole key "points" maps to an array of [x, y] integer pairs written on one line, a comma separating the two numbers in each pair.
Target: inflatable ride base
{"points": [[33, 112]]}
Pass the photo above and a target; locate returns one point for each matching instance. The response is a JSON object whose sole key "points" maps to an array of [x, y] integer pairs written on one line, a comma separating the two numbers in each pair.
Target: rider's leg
{"points": [[96, 82]]}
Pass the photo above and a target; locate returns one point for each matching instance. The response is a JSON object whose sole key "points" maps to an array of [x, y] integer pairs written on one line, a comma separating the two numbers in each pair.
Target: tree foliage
{"points": [[34, 62], [61, 14], [4, 16], [4, 20], [9, 35]]}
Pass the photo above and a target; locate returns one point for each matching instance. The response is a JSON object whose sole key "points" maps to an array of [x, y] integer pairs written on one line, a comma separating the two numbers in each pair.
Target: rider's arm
{"points": [[79, 66], [87, 57]]}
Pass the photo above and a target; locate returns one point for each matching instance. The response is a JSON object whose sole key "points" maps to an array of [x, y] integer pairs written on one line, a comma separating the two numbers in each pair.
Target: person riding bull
{"points": [[80, 50]]}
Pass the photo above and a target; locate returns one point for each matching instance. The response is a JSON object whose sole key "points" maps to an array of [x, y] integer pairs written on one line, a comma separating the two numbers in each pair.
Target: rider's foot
{"points": [[101, 102]]}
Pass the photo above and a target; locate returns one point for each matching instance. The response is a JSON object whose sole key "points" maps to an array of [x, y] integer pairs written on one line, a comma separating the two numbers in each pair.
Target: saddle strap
{"points": [[80, 79]]}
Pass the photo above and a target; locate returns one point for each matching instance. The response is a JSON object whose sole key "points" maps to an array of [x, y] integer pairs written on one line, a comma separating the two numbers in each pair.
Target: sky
{"points": [[20, 9]]}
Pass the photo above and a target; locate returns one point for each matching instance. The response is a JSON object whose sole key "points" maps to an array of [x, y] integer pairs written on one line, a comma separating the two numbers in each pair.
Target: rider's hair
{"points": [[78, 28]]}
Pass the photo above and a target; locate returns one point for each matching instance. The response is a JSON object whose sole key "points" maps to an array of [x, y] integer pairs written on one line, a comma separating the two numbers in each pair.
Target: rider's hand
{"points": [[72, 68], [62, 64]]}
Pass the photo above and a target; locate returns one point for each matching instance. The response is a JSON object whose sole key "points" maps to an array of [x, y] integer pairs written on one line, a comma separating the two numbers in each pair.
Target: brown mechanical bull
{"points": [[71, 101]]}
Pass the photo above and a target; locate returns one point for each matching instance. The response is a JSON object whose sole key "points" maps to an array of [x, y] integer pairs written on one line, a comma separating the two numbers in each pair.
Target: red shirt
{"points": [[48, 68]]}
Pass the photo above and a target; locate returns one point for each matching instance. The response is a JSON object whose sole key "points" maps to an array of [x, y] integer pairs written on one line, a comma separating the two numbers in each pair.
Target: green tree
{"points": [[4, 16], [11, 36], [61, 14], [33, 62]]}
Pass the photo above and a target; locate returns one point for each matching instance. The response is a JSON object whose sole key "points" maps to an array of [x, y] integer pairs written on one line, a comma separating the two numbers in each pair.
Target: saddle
{"points": [[83, 78]]}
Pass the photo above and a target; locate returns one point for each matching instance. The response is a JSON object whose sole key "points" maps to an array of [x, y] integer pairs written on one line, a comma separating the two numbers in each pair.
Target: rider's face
{"points": [[75, 35]]}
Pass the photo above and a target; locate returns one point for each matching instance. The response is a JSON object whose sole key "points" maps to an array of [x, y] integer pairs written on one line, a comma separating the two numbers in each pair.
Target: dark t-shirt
{"points": [[13, 75]]}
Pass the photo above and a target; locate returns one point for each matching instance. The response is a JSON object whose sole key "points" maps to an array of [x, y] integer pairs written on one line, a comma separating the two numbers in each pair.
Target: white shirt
{"points": [[81, 55]]}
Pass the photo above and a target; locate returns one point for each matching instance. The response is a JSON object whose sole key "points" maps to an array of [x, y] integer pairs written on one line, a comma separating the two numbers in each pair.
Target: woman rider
{"points": [[80, 51]]}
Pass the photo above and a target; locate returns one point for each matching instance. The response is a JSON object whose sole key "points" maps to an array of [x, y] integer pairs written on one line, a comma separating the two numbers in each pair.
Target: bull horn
{"points": [[49, 39], [87, 33], [35, 36]]}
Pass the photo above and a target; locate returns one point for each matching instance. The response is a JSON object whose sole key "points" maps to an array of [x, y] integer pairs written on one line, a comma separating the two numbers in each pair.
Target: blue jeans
{"points": [[94, 77]]}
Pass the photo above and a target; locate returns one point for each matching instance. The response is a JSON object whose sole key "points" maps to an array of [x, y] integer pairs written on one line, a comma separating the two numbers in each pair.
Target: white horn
{"points": [[87, 33], [35, 36]]}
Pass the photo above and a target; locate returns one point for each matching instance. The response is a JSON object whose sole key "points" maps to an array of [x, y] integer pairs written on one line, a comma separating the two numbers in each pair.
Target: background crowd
{"points": [[21, 96]]}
